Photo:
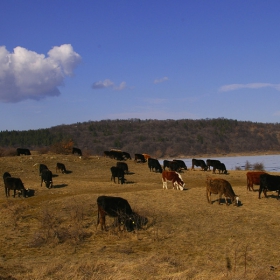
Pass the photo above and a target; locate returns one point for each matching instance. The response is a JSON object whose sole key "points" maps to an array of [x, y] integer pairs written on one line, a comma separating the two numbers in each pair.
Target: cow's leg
{"points": [[208, 195]]}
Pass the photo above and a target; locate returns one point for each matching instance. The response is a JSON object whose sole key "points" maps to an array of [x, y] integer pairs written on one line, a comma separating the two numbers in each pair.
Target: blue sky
{"points": [[63, 62]]}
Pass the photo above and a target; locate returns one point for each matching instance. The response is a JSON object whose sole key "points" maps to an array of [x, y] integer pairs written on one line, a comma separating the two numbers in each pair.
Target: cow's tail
{"points": [[97, 223]]}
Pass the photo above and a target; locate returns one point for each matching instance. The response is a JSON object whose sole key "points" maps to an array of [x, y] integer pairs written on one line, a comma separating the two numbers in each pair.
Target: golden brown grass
{"points": [[53, 234]]}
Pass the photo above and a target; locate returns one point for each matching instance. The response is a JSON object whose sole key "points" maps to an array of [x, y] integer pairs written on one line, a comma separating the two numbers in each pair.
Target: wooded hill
{"points": [[159, 138]]}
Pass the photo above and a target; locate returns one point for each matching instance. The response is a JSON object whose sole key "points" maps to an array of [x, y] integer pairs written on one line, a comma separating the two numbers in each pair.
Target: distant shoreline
{"points": [[228, 155]]}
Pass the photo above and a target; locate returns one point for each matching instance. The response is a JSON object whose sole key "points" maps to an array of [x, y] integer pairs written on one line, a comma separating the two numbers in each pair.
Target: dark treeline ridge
{"points": [[159, 138]]}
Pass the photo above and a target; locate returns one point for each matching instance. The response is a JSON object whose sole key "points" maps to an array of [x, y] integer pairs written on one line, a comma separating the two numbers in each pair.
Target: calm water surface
{"points": [[270, 162]]}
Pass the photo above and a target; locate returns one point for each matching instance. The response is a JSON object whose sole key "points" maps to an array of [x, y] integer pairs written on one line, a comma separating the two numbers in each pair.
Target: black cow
{"points": [[107, 154], [118, 155], [269, 183], [220, 166], [117, 172], [116, 207], [211, 162], [181, 164], [154, 164], [139, 158], [60, 167], [126, 155], [22, 151], [42, 167], [46, 177], [123, 166], [6, 175], [172, 165], [14, 184], [76, 151], [199, 162]]}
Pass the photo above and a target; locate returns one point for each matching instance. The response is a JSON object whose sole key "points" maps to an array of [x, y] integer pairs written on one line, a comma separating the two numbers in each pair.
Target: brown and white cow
{"points": [[174, 177], [253, 178], [220, 187]]}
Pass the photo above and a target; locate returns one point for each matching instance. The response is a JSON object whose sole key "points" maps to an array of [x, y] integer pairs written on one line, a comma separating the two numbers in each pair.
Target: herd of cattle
{"points": [[120, 209]]}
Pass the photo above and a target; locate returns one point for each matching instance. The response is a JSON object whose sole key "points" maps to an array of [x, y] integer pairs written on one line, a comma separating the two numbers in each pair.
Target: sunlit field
{"points": [[53, 234]]}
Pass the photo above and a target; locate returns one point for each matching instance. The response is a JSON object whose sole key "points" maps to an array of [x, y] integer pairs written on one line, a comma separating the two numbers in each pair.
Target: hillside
{"points": [[159, 138], [53, 234]]}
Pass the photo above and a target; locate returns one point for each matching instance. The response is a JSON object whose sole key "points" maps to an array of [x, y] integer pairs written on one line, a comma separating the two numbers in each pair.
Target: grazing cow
{"points": [[76, 151], [22, 151], [42, 167], [117, 172], [46, 177], [181, 164], [172, 165], [253, 178], [116, 207], [173, 177], [269, 183], [220, 166], [14, 184], [154, 164], [126, 155], [118, 155], [123, 166], [199, 162], [211, 162], [139, 158], [60, 167], [220, 187]]}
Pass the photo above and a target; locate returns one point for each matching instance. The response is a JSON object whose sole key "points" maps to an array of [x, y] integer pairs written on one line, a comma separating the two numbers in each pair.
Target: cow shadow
{"points": [[223, 202], [60, 186], [68, 172], [129, 173], [54, 175]]}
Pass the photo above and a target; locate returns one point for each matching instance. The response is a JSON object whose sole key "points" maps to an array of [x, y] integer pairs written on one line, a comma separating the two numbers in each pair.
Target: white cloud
{"points": [[158, 81], [250, 86], [108, 84], [25, 74]]}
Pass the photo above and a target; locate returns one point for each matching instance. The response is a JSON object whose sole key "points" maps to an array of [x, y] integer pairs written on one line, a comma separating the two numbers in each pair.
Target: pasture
{"points": [[53, 235]]}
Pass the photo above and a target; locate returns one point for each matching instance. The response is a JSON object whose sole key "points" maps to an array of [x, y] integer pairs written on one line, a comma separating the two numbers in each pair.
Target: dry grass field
{"points": [[53, 235]]}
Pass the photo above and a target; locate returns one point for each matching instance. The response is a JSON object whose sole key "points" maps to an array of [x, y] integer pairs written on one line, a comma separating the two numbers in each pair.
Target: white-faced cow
{"points": [[174, 177], [60, 167], [269, 183], [117, 172], [116, 207], [220, 187]]}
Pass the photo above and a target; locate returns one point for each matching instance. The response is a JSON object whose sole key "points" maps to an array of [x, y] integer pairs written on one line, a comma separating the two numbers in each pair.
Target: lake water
{"points": [[270, 162]]}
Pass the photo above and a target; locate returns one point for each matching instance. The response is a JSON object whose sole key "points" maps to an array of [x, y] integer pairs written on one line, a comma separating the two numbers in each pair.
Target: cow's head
{"points": [[236, 201], [49, 184], [179, 183]]}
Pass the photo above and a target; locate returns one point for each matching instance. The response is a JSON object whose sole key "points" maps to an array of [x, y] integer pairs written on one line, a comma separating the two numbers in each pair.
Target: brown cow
{"points": [[220, 187], [173, 177], [253, 178]]}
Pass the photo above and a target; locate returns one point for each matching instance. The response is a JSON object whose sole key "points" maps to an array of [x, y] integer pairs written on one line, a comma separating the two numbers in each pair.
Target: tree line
{"points": [[159, 138]]}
